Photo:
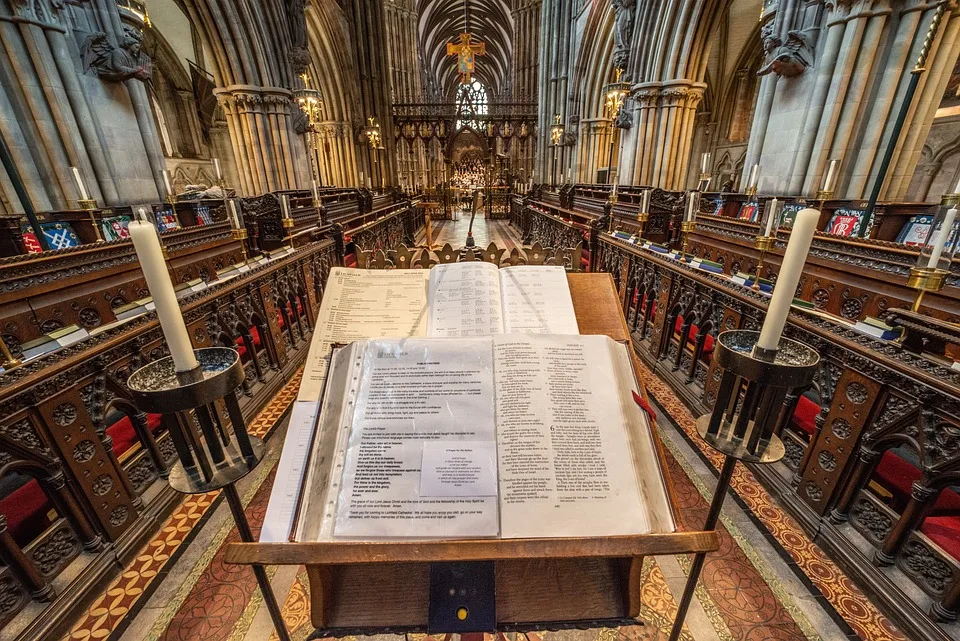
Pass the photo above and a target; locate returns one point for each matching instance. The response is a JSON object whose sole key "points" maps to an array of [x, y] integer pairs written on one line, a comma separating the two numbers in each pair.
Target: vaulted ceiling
{"points": [[489, 21]]}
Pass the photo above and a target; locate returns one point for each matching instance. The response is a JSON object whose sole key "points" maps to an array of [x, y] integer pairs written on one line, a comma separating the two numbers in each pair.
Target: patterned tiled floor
{"points": [[484, 233], [748, 591]]}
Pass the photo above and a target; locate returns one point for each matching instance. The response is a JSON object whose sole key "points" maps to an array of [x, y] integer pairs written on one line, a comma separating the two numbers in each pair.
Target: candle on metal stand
{"points": [[830, 181], [645, 198], [944, 234], [705, 163], [216, 168], [233, 214], [166, 183], [801, 236], [316, 193], [772, 207], [146, 242], [285, 206], [754, 176], [83, 189], [693, 205]]}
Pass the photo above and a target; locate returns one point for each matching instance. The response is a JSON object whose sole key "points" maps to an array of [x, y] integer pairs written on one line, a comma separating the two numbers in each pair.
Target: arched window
{"points": [[471, 102]]}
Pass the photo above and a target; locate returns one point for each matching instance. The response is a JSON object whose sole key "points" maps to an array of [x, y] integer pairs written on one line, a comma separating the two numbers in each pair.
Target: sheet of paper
{"points": [[464, 300], [359, 304], [536, 300], [411, 392], [286, 485], [459, 468], [565, 464]]}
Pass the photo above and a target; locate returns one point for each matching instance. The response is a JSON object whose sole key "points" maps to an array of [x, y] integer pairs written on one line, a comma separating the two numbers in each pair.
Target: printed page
{"points": [[414, 392], [565, 464], [464, 300], [536, 300], [358, 304]]}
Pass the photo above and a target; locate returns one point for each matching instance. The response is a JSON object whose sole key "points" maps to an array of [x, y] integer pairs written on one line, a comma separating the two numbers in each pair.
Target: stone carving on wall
{"points": [[116, 64], [299, 55], [788, 58], [622, 31]]}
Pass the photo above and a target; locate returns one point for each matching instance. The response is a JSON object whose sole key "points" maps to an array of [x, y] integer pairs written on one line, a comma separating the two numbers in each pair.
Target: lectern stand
{"points": [[209, 459], [544, 582]]}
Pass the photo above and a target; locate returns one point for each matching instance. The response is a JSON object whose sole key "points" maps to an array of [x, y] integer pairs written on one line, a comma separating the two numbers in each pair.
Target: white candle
{"points": [[828, 182], [790, 271], [956, 189], [705, 163], [146, 242], [216, 168], [285, 206], [166, 182], [942, 237], [645, 201], [83, 189], [754, 176], [772, 208], [693, 204], [233, 214], [316, 193]]}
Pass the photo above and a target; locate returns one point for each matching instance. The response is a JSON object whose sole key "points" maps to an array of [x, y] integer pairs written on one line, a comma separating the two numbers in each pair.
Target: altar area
{"points": [[181, 587]]}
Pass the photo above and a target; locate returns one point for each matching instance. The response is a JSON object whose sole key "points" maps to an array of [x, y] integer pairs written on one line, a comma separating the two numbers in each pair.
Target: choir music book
{"points": [[512, 436]]}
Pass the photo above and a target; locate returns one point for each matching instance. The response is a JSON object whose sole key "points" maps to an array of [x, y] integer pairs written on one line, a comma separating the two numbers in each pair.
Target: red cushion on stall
{"points": [[692, 335], [897, 475], [350, 260], [945, 532], [124, 436], [26, 511], [805, 416]]}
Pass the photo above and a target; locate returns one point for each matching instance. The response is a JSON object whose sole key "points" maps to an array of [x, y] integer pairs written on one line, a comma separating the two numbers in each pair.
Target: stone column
{"points": [[260, 126]]}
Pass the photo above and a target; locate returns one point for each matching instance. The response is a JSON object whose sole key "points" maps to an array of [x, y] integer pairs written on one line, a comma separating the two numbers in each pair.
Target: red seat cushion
{"points": [[26, 509], [897, 475], [805, 416], [945, 532], [124, 436], [692, 336], [350, 260]]}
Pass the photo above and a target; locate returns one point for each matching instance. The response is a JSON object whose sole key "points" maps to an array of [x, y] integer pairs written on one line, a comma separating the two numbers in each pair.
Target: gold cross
{"points": [[466, 51]]}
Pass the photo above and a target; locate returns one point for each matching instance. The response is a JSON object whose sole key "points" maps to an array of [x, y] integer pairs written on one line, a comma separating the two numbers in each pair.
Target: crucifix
{"points": [[466, 50]]}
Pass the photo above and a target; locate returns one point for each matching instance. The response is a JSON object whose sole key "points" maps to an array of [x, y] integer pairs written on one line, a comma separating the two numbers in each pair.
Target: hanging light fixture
{"points": [[556, 130], [615, 93], [309, 101], [372, 132]]}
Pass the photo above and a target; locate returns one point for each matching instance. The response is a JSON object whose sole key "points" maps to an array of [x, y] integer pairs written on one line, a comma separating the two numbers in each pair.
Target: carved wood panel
{"points": [[830, 451]]}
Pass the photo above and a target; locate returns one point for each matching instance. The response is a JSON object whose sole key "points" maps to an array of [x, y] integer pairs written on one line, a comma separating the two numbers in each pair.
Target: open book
{"points": [[515, 436], [459, 299]]}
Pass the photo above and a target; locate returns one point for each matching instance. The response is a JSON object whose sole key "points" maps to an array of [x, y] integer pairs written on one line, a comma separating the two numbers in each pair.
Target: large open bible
{"points": [[514, 436]]}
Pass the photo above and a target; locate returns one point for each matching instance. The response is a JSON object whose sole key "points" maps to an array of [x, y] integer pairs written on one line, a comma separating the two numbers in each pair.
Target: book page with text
{"points": [[358, 304], [418, 460], [464, 300], [536, 300], [565, 465]]}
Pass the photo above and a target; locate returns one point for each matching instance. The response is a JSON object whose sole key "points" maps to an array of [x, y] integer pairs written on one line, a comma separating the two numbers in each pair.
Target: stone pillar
{"points": [[260, 126]]}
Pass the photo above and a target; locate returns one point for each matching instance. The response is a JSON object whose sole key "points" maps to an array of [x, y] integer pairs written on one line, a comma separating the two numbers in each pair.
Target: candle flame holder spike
{"points": [[210, 458], [749, 406]]}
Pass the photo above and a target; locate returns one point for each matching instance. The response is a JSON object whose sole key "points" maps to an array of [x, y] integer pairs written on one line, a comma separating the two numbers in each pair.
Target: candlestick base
{"points": [[87, 204], [287, 223], [763, 244], [750, 191], [824, 195], [742, 425]]}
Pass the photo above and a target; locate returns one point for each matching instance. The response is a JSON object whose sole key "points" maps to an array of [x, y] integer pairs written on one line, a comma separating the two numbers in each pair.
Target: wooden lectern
{"points": [[375, 586]]}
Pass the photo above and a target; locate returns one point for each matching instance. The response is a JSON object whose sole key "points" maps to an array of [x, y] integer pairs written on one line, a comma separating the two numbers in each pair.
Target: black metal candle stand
{"points": [[750, 401], [209, 458]]}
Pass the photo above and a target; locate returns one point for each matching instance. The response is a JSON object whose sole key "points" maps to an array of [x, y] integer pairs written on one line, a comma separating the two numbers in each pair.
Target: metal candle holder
{"points": [[209, 458], [90, 205], [741, 426], [763, 245], [685, 228]]}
